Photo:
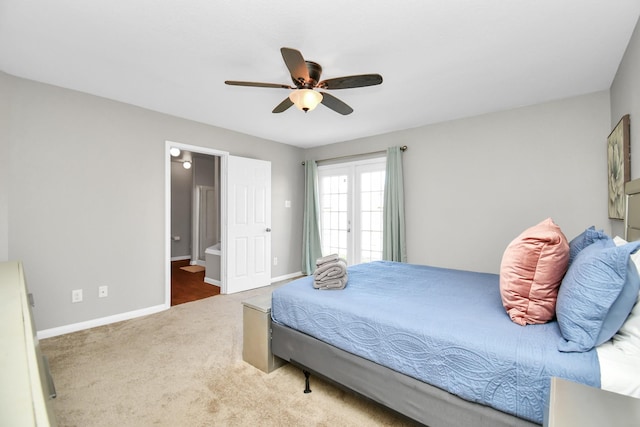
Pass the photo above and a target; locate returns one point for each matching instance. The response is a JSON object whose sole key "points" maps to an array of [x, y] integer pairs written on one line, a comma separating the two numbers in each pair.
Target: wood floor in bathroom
{"points": [[186, 287]]}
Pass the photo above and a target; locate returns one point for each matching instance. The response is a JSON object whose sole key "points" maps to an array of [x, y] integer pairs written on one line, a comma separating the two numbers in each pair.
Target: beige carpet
{"points": [[184, 367]]}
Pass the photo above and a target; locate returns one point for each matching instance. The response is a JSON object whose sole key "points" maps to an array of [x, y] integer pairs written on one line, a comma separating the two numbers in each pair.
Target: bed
{"points": [[438, 346]]}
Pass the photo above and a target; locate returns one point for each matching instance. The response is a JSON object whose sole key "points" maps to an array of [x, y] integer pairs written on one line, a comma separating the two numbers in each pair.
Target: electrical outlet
{"points": [[103, 291], [275, 260], [76, 295]]}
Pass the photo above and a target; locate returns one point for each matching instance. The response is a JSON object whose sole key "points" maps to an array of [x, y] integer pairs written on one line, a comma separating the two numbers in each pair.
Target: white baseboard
{"points": [[180, 258], [213, 282], [48, 333], [273, 279], [286, 277]]}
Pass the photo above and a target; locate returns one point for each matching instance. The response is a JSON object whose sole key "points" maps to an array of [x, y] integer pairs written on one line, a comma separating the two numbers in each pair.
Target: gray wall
{"points": [[472, 185], [625, 97], [87, 198], [4, 167]]}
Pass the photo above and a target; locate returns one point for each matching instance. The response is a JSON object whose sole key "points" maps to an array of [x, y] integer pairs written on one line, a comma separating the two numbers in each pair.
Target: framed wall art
{"points": [[619, 171]]}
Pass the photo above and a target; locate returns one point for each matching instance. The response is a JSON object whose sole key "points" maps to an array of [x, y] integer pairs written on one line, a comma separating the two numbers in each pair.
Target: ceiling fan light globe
{"points": [[305, 99]]}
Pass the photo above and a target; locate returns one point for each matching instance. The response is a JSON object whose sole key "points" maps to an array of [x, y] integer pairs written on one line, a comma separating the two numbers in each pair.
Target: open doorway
{"points": [[194, 207], [245, 221], [195, 226]]}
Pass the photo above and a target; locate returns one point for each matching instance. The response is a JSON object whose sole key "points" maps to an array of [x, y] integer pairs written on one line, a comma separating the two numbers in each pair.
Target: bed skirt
{"points": [[419, 401]]}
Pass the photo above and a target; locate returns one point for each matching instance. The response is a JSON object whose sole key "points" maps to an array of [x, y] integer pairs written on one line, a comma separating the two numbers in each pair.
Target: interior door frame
{"points": [[224, 155]]}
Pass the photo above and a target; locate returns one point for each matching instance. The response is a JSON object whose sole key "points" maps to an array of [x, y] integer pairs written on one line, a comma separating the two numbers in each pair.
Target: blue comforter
{"points": [[444, 327]]}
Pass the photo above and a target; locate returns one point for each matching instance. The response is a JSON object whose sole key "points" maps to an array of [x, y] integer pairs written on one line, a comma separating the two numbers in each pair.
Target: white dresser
{"points": [[26, 387]]}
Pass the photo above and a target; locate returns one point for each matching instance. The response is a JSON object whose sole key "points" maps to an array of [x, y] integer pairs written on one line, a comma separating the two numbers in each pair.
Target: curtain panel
{"points": [[394, 246], [311, 248]]}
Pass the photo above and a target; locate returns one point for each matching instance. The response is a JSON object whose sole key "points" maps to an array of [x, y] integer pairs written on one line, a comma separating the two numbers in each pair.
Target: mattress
{"points": [[441, 326]]}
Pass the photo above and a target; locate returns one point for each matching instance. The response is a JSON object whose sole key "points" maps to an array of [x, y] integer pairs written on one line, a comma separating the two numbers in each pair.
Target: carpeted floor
{"points": [[183, 367]]}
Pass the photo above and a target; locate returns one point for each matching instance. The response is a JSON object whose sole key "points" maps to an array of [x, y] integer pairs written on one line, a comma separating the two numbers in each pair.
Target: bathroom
{"points": [[195, 211]]}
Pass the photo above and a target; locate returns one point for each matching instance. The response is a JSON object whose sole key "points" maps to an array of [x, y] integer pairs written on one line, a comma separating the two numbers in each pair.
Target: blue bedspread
{"points": [[445, 327]]}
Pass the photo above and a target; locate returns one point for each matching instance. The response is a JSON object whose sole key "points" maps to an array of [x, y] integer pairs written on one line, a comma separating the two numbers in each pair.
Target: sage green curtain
{"points": [[394, 246], [311, 248]]}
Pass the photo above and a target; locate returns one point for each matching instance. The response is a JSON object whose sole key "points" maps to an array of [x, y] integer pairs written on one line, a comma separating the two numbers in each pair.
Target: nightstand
{"points": [[572, 404], [256, 336]]}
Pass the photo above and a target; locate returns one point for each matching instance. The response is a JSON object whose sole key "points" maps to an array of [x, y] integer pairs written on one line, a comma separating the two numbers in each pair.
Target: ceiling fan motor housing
{"points": [[315, 71]]}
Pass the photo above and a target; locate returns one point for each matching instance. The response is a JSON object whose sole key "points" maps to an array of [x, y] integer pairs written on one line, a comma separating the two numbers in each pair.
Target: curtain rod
{"points": [[403, 148]]}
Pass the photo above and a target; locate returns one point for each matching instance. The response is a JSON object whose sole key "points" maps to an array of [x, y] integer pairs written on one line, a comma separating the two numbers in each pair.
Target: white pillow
{"points": [[619, 241], [635, 257], [627, 339]]}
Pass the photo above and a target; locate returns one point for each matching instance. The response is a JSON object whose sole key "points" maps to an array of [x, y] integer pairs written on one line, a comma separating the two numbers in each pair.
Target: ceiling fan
{"points": [[306, 78]]}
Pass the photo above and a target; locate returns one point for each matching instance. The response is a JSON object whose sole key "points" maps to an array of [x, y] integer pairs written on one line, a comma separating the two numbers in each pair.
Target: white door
{"points": [[249, 224]]}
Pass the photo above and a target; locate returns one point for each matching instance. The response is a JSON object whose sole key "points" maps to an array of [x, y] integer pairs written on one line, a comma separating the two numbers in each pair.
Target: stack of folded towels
{"points": [[331, 273]]}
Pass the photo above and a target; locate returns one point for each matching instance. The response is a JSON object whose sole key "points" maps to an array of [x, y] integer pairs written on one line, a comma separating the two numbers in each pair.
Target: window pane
{"points": [[365, 221], [376, 241], [365, 201], [365, 181], [371, 204], [342, 203], [342, 184], [376, 256], [343, 239], [378, 181], [365, 240], [376, 201], [325, 182], [376, 221], [343, 223], [333, 204], [335, 220]]}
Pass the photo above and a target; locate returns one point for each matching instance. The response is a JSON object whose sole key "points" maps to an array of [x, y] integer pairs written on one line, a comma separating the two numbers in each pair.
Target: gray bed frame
{"points": [[412, 398]]}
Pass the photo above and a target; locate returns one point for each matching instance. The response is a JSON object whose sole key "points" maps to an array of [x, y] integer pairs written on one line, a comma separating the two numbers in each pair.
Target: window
{"points": [[351, 202]]}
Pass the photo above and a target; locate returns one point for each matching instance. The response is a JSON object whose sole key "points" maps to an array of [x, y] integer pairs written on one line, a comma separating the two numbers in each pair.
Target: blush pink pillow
{"points": [[532, 268]]}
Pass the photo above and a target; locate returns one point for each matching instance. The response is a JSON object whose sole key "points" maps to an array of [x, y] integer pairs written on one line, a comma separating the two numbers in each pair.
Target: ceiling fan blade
{"points": [[295, 63], [283, 106], [256, 84], [348, 82], [335, 104]]}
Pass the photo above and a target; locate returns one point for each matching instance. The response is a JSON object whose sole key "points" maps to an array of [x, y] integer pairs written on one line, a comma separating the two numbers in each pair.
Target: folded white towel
{"points": [[337, 283], [326, 259], [330, 270]]}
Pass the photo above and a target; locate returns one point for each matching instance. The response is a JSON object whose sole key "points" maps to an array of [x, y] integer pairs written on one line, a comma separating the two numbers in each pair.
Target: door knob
{"points": [[268, 230]]}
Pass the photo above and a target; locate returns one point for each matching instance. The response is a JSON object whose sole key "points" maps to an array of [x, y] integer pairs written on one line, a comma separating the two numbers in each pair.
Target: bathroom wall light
{"points": [[174, 151], [186, 165]]}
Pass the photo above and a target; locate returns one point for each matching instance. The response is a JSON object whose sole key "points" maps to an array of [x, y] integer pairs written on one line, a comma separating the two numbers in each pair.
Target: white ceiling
{"points": [[440, 59]]}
